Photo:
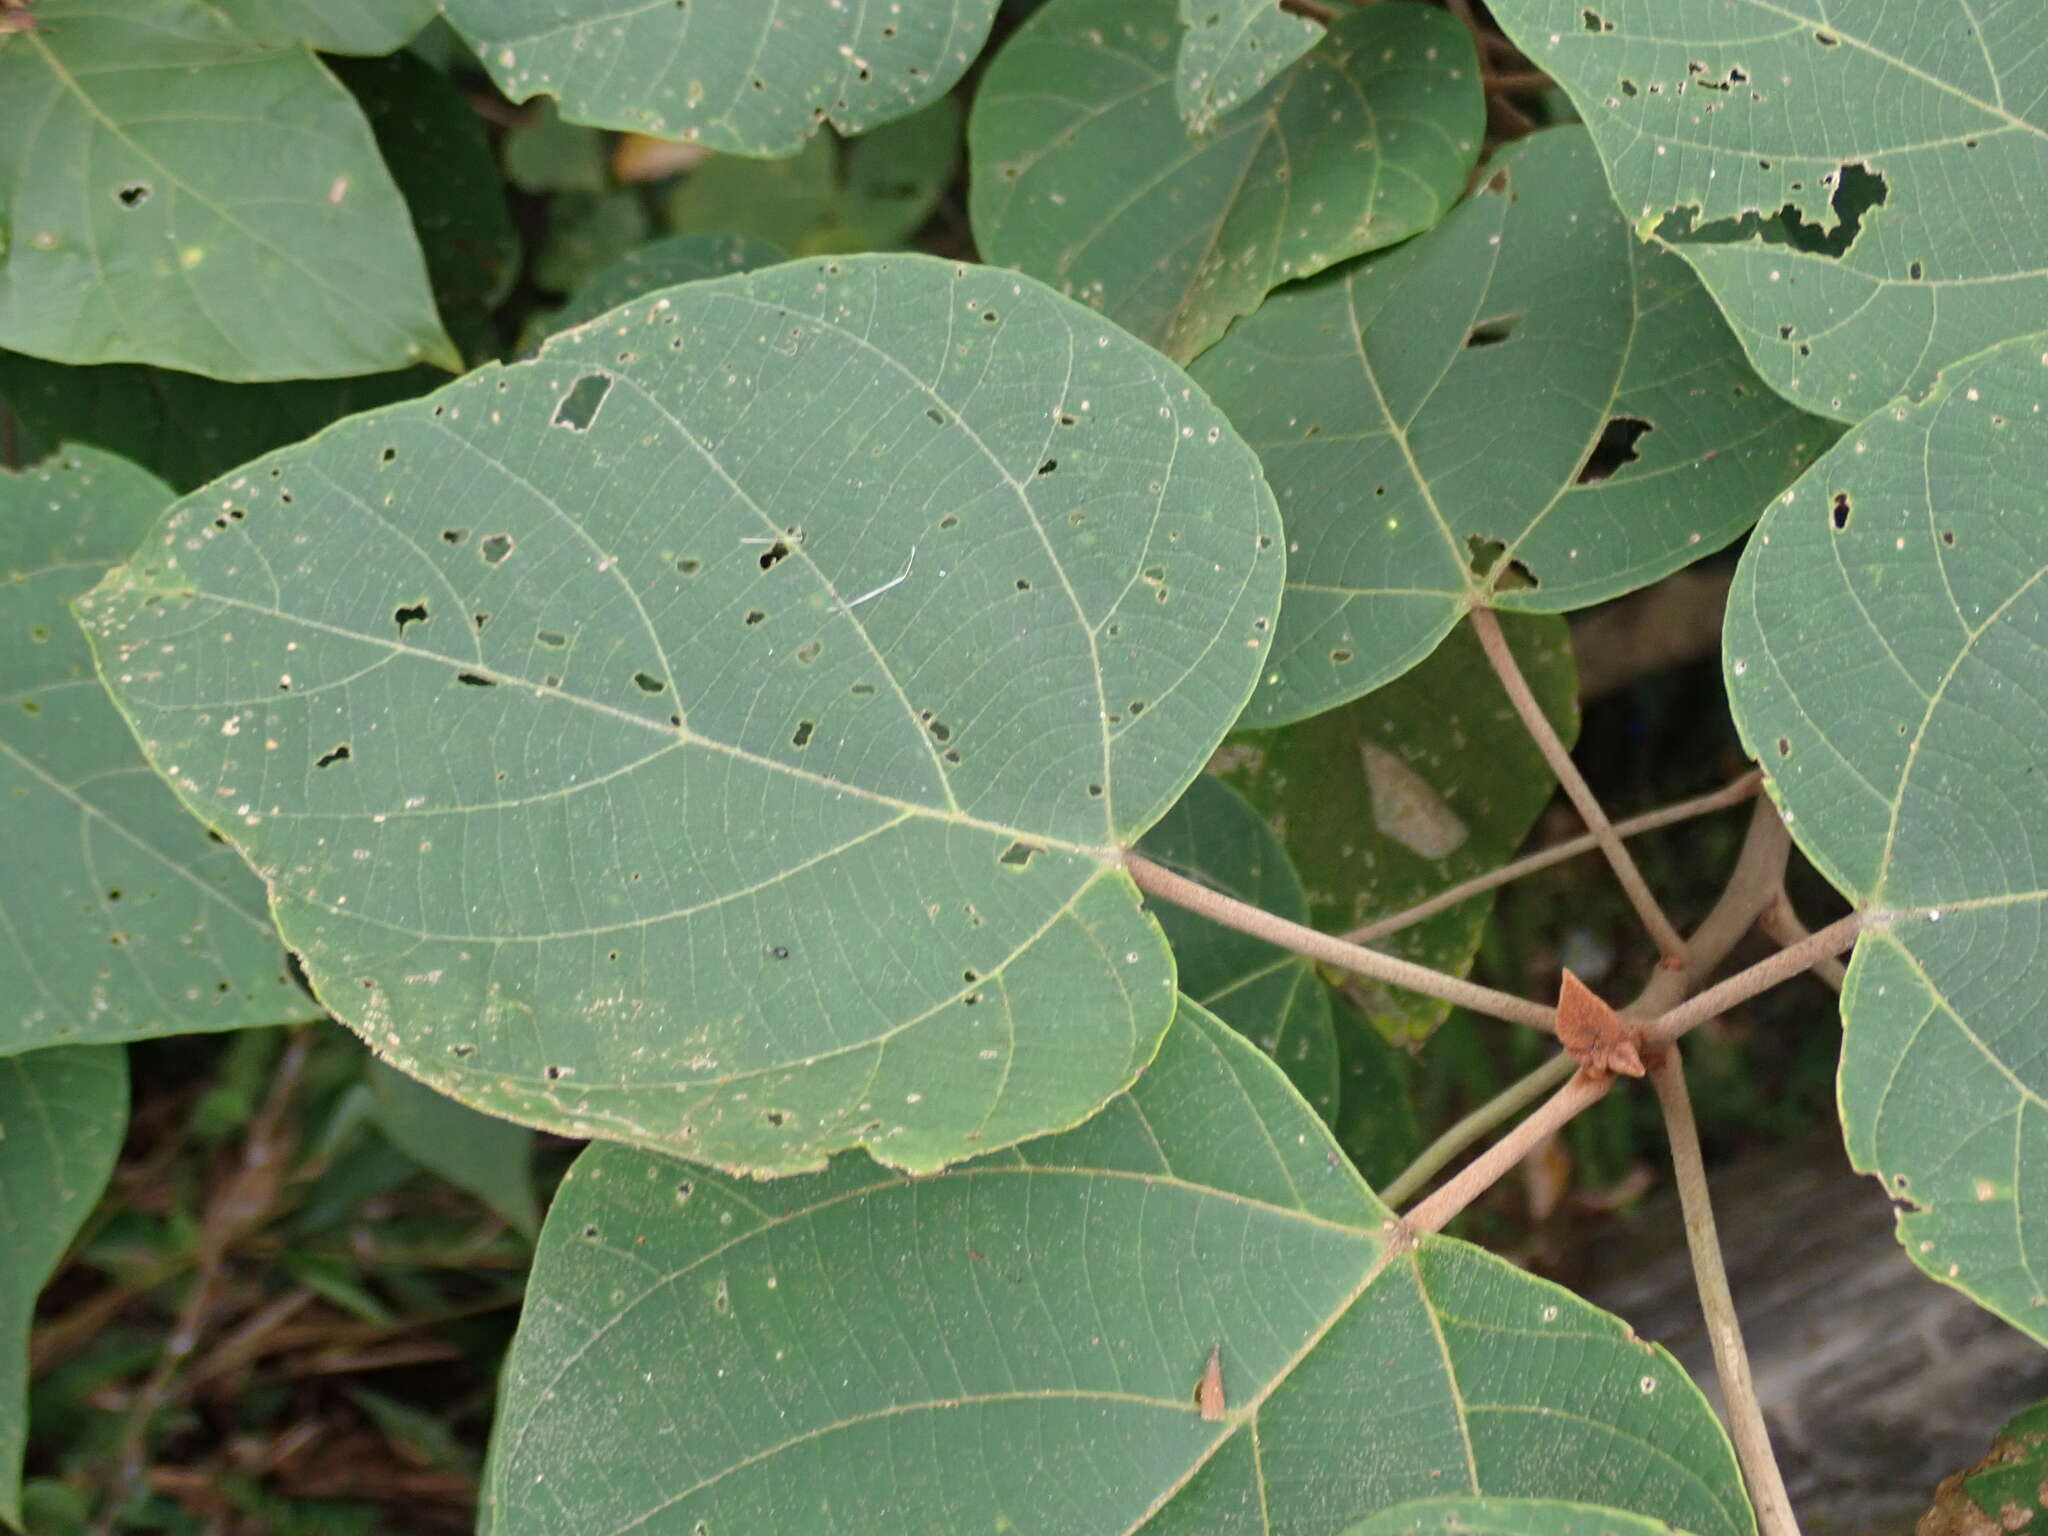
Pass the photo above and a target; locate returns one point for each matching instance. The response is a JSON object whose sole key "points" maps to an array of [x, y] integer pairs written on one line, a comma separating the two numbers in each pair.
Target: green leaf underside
{"points": [[1737, 120], [179, 195], [843, 1351], [1384, 398], [716, 733], [63, 1113], [1891, 675], [1230, 50], [1080, 160], [1272, 997], [490, 1158], [663, 264], [1427, 781], [353, 26], [1506, 1517], [746, 79], [119, 918], [869, 194]]}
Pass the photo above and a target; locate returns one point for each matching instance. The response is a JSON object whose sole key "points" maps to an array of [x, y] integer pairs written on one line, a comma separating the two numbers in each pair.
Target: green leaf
{"points": [[855, 1350], [354, 26], [1531, 330], [63, 1113], [1376, 1123], [118, 918], [1884, 652], [1506, 1517], [179, 195], [1272, 997], [2011, 1482], [549, 155], [720, 732], [1084, 175], [870, 194], [1230, 50], [1844, 176], [662, 264], [187, 429], [1424, 783], [490, 1158], [740, 78]]}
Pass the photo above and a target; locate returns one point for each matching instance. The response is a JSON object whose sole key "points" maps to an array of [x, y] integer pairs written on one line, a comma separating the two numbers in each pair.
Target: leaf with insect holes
{"points": [[721, 732], [745, 79], [1384, 399], [122, 919], [1593, 1032], [1856, 182], [1885, 650], [1271, 996], [63, 1113], [180, 194], [1507, 1517], [1084, 175], [1425, 783], [846, 1347], [1230, 49]]}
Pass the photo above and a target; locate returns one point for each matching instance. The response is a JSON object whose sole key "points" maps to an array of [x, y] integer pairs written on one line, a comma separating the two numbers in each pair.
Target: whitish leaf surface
{"points": [[663, 264], [1506, 1517], [352, 26], [1887, 658], [870, 194], [747, 79], [490, 1158], [1230, 50], [1529, 329], [119, 918], [1272, 997], [1857, 182], [63, 1113], [719, 732], [1426, 782], [180, 195], [1016, 1344], [1083, 173]]}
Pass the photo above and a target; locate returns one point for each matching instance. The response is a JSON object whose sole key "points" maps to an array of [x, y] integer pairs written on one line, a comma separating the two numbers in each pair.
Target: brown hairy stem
{"points": [[1780, 922], [1744, 788], [1761, 977], [1505, 1105], [1487, 627], [1745, 1414], [1157, 880]]}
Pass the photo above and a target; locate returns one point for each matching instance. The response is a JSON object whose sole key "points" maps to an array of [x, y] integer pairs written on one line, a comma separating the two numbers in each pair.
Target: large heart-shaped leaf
{"points": [[1530, 329], [1272, 997], [721, 732], [119, 919], [1230, 50], [748, 79], [1084, 174], [1887, 657], [1854, 180], [180, 194], [1506, 1517], [63, 1113], [1425, 782], [1016, 1344]]}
